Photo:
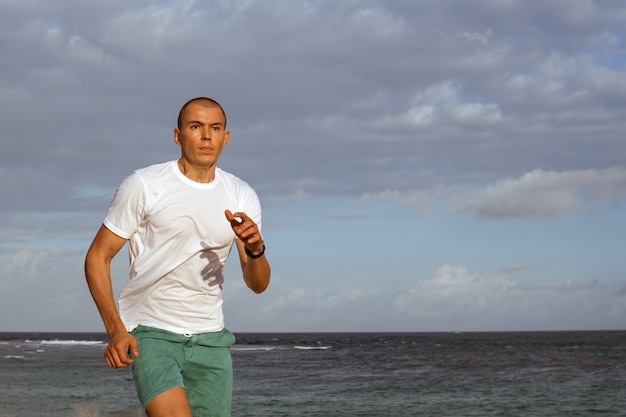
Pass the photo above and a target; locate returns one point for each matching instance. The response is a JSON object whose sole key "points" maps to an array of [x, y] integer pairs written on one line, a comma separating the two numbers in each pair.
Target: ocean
{"points": [[342, 374]]}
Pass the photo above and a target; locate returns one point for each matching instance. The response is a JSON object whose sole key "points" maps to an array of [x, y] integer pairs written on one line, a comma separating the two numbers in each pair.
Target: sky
{"points": [[429, 165]]}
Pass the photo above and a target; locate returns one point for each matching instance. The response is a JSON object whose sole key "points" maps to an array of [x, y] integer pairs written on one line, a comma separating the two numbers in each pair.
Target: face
{"points": [[202, 135]]}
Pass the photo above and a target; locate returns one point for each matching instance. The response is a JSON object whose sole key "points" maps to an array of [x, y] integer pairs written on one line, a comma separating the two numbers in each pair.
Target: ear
{"points": [[226, 137], [177, 136]]}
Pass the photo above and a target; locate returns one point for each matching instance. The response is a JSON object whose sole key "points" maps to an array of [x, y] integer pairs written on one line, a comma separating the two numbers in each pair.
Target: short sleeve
{"points": [[252, 206], [126, 211]]}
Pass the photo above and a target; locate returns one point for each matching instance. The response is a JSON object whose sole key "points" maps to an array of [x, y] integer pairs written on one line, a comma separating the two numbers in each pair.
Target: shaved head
{"points": [[202, 101]]}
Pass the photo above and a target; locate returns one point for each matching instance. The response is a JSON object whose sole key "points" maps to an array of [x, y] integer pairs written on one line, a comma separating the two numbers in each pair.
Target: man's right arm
{"points": [[103, 249]]}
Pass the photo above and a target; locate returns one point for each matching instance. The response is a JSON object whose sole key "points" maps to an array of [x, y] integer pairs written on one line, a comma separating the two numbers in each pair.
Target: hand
{"points": [[246, 230], [117, 352]]}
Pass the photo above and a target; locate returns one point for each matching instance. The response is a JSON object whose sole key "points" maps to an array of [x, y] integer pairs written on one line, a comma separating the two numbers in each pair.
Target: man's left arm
{"points": [[251, 249]]}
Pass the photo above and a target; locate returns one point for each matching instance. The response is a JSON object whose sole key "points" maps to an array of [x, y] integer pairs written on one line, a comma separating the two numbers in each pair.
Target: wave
{"points": [[258, 348], [269, 348], [312, 347], [69, 342]]}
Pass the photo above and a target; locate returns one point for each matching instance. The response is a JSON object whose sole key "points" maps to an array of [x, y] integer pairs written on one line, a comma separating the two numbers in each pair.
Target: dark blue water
{"points": [[340, 374]]}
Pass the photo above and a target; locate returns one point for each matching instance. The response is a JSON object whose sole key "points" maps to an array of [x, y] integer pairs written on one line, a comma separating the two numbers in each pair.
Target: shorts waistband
{"points": [[220, 339]]}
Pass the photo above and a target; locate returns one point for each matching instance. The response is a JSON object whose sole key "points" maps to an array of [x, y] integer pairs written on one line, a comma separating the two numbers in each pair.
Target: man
{"points": [[180, 219]]}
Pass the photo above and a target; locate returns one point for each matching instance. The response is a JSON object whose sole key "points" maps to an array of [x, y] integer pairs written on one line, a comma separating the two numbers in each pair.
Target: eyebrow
{"points": [[191, 122]]}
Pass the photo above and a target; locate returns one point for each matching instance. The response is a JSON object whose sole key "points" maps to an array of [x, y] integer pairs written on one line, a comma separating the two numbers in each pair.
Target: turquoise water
{"points": [[361, 374]]}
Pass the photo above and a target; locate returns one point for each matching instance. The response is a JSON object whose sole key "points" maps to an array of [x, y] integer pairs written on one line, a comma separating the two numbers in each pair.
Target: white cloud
{"points": [[288, 307], [452, 292], [450, 106], [48, 282], [442, 104], [423, 201], [317, 302], [536, 193], [456, 298], [546, 193], [453, 298]]}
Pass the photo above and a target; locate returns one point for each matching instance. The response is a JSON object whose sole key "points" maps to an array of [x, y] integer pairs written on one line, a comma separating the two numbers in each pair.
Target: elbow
{"points": [[259, 287], [87, 265], [94, 264], [257, 279], [91, 262]]}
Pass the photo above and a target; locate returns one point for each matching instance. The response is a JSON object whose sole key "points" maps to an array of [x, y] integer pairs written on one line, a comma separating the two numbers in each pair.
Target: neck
{"points": [[195, 173]]}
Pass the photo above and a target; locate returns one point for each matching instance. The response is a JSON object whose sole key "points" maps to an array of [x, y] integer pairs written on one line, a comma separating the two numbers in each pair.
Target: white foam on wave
{"points": [[251, 349], [312, 347], [72, 342], [14, 357]]}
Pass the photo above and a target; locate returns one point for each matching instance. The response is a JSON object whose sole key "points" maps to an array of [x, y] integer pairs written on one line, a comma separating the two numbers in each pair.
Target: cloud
{"points": [[420, 199], [453, 292], [297, 196], [33, 278], [498, 109], [546, 193], [452, 298], [375, 94], [87, 191], [289, 306], [457, 298], [536, 193], [447, 100]]}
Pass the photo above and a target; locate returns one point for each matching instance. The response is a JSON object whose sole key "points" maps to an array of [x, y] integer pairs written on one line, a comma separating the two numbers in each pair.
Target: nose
{"points": [[206, 133]]}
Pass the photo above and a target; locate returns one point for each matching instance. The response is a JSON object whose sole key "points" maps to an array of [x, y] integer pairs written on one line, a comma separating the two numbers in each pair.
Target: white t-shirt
{"points": [[179, 240]]}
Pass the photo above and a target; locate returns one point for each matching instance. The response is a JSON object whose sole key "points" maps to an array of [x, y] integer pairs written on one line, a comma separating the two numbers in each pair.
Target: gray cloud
{"points": [[495, 108], [372, 93], [547, 193], [535, 193]]}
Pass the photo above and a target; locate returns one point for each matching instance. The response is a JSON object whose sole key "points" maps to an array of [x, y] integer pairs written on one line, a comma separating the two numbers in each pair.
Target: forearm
{"points": [[256, 274], [98, 275], [251, 248]]}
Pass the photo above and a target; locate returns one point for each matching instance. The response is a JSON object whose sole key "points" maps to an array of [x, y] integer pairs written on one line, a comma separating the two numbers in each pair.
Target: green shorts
{"points": [[200, 363]]}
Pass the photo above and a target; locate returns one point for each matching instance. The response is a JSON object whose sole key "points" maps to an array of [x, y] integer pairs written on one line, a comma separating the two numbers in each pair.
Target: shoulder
{"points": [[140, 179], [233, 182], [155, 171], [240, 191], [152, 175]]}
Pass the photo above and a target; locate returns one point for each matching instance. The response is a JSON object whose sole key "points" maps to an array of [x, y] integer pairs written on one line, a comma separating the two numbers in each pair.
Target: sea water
{"points": [[342, 374]]}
